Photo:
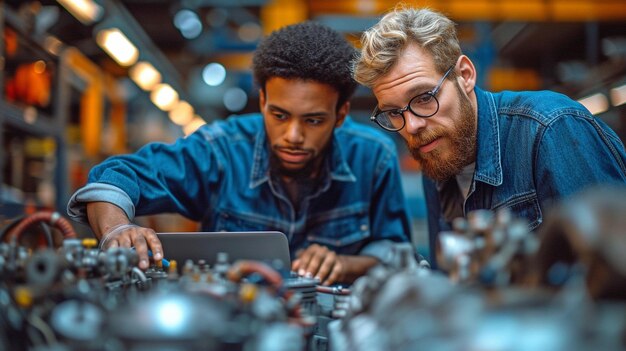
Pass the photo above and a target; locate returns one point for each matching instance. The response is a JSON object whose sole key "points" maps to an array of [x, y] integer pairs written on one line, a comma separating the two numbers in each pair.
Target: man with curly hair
{"points": [[301, 167]]}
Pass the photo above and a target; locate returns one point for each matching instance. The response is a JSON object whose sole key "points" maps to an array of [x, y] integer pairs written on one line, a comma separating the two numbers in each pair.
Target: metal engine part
{"points": [[486, 301], [586, 235], [81, 298], [491, 247]]}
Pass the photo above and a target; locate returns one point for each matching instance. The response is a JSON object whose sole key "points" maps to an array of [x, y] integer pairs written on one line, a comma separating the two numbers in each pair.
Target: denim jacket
{"points": [[220, 176], [533, 149]]}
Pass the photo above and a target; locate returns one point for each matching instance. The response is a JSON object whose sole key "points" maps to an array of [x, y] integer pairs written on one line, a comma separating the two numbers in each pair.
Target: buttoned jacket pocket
{"points": [[524, 206], [232, 221], [340, 227]]}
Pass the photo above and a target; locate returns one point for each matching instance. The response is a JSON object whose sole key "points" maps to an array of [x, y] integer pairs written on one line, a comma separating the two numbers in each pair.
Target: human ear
{"points": [[342, 112], [261, 99], [466, 73]]}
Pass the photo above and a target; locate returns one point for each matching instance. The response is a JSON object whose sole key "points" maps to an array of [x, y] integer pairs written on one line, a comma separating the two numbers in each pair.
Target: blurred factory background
{"points": [[85, 79]]}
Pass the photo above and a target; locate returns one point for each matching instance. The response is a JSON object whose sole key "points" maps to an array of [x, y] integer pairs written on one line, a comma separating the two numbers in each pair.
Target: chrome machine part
{"points": [[77, 320], [586, 235]]}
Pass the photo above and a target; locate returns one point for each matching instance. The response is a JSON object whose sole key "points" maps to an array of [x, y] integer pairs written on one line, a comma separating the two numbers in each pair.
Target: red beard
{"points": [[442, 164]]}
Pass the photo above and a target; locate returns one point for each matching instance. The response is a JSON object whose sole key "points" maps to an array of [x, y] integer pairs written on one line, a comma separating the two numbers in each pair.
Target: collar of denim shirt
{"points": [[488, 158]]}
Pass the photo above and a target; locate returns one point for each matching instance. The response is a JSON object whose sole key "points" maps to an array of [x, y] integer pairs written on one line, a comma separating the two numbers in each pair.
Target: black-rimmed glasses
{"points": [[423, 105]]}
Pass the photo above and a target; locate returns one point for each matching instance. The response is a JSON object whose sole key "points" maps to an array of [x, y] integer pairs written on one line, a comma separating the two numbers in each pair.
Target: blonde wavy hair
{"points": [[384, 42]]}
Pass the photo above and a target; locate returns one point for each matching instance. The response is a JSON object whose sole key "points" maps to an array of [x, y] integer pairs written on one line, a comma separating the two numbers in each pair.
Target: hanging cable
{"points": [[53, 218]]}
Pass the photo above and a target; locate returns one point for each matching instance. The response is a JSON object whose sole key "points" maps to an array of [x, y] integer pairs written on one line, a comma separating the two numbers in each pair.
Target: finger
{"points": [[124, 240], [335, 274], [111, 244], [141, 248], [155, 245], [316, 261], [305, 258], [295, 265], [327, 265]]}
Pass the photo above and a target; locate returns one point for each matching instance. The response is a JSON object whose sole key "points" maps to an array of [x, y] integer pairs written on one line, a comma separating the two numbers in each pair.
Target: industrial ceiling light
{"points": [[213, 74], [235, 99], [164, 97], [596, 103], [618, 95], [85, 11], [145, 75], [182, 113], [192, 126], [52, 44], [188, 23], [118, 46]]}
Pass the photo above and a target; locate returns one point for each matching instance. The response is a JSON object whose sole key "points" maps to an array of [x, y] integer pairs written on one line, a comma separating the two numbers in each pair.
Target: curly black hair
{"points": [[308, 51]]}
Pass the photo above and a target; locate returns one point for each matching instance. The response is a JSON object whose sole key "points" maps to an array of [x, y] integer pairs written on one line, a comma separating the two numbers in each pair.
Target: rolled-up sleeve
{"points": [[94, 192], [381, 249]]}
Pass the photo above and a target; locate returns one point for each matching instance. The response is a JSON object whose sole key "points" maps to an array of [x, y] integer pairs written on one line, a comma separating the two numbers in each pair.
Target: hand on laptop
{"points": [[320, 262]]}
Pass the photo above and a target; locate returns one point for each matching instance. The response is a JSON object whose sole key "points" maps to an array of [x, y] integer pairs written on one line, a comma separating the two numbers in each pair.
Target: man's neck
{"points": [[300, 185], [309, 172]]}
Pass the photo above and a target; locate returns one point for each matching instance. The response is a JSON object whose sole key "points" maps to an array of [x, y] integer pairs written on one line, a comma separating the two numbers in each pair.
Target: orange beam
{"points": [[280, 13], [494, 10], [573, 10], [92, 101], [234, 61], [117, 116], [500, 78]]}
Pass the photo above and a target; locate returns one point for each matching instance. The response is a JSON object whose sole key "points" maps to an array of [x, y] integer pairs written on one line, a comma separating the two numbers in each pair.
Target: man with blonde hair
{"points": [[479, 150]]}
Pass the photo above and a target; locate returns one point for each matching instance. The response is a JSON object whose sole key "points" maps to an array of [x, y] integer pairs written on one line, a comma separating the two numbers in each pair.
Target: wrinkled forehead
{"points": [[413, 62]]}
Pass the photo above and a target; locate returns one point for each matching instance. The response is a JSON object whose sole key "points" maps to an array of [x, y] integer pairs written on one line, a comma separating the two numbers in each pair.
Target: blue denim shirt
{"points": [[533, 149], [220, 176]]}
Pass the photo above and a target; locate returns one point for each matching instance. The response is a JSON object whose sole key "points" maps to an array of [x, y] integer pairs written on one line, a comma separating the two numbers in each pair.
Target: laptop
{"points": [[266, 246]]}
